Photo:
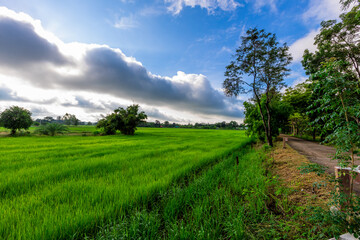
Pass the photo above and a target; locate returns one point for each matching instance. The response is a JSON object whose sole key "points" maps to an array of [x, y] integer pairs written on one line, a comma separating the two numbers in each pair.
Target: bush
{"points": [[52, 129]]}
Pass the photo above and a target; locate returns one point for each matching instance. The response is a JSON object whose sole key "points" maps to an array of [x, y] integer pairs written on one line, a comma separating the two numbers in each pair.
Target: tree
{"points": [[338, 40], [16, 118], [340, 109], [259, 67], [280, 114], [70, 119], [52, 129], [124, 120]]}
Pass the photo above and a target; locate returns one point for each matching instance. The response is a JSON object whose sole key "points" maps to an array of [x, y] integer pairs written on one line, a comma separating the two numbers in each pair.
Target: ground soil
{"points": [[317, 153], [303, 191]]}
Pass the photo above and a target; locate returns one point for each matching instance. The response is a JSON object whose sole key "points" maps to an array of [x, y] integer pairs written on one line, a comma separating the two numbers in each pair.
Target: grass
{"points": [[72, 129], [225, 201], [65, 186]]}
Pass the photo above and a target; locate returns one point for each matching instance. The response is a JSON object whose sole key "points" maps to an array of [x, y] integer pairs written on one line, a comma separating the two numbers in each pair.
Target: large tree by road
{"points": [[260, 66]]}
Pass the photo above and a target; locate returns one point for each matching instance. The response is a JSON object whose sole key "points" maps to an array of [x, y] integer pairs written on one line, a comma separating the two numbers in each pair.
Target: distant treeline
{"points": [[219, 125], [156, 124]]}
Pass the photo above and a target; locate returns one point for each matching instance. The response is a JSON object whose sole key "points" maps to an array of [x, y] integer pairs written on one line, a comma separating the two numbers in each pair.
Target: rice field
{"points": [[65, 186]]}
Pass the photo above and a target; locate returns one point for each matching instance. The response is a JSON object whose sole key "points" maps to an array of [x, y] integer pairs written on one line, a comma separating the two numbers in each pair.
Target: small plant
{"points": [[52, 129], [312, 167]]}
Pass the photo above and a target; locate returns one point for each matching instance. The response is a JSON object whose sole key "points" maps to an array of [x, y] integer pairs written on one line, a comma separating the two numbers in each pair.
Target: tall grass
{"points": [[223, 202], [60, 187]]}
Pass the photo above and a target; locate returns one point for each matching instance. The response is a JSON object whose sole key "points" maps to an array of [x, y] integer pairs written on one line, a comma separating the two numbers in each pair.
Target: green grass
{"points": [[225, 201], [64, 186], [72, 129]]}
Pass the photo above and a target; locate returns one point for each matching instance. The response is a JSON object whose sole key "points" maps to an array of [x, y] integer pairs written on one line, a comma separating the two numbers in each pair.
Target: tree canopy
{"points": [[124, 120], [260, 66], [15, 118]]}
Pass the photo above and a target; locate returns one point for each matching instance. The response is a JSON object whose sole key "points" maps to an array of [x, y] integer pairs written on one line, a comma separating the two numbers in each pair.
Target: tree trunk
{"points": [[13, 131], [262, 116], [269, 137], [314, 134]]}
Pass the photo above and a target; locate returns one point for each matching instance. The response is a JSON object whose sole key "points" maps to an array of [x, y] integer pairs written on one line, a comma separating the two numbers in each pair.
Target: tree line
{"points": [[124, 120]]}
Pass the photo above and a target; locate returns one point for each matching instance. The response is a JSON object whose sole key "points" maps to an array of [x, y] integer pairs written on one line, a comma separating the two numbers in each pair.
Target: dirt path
{"points": [[316, 153]]}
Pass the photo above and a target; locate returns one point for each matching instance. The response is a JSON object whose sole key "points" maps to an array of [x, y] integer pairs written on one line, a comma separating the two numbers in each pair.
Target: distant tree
{"points": [[70, 119], [157, 123], [52, 129], [124, 120], [16, 118], [166, 124], [48, 119], [233, 124], [260, 57]]}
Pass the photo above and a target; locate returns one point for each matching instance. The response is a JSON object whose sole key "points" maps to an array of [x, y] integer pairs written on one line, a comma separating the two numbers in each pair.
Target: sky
{"points": [[88, 57]]}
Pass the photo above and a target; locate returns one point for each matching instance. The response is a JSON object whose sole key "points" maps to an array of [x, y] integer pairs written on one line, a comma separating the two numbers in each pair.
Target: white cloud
{"points": [[298, 47], [126, 23], [52, 65], [320, 10], [259, 4], [175, 6], [225, 49]]}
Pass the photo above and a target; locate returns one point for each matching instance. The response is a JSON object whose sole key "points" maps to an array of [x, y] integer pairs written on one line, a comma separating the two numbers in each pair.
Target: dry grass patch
{"points": [[304, 188]]}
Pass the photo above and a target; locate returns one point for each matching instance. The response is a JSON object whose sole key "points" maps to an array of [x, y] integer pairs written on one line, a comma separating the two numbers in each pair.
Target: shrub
{"points": [[52, 129]]}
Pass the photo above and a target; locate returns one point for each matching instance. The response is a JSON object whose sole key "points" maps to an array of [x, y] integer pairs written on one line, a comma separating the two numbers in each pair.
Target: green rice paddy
{"points": [[65, 186]]}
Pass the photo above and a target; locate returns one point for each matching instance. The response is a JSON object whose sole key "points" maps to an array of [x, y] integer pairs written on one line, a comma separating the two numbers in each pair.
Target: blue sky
{"points": [[169, 56]]}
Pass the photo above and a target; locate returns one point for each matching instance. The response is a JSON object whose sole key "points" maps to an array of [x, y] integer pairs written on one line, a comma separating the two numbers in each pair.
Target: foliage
{"points": [[52, 129], [15, 118], [337, 40], [280, 111], [122, 119], [298, 122], [260, 57], [346, 3], [70, 119], [312, 167], [339, 107]]}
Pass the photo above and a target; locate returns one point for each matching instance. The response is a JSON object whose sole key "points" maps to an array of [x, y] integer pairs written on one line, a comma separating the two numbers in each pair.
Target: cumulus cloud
{"points": [[49, 63], [322, 10], [156, 114], [7, 94], [298, 47], [175, 6]]}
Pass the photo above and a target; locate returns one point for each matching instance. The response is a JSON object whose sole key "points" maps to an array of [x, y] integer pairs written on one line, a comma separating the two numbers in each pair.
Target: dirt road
{"points": [[316, 153]]}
